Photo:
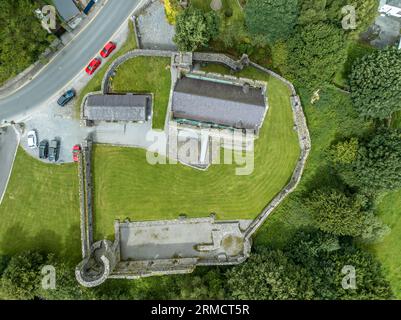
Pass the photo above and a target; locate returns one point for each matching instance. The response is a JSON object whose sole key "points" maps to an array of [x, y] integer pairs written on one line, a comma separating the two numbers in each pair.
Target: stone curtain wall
{"points": [[111, 253]]}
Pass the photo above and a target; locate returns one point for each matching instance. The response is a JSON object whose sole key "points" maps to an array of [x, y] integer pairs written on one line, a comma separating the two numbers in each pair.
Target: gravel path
{"points": [[154, 29]]}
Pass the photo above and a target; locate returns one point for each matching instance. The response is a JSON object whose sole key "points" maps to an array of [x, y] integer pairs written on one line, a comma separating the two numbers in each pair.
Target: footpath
{"points": [[46, 57]]}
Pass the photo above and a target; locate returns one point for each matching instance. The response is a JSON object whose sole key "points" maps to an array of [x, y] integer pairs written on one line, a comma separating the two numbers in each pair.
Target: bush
{"points": [[228, 12]]}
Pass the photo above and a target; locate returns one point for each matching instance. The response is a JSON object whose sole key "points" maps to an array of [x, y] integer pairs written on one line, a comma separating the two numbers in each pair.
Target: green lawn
{"points": [[388, 251], [41, 209], [127, 186], [147, 75]]}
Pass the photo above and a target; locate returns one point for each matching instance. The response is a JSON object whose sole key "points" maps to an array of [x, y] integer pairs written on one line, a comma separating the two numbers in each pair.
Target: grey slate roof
{"points": [[218, 103], [66, 9], [127, 107]]}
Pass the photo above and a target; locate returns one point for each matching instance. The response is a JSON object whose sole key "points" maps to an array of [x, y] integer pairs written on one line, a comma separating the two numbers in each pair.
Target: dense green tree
{"points": [[336, 213], [325, 256], [331, 11], [204, 284], [316, 52], [273, 19], [67, 287], [22, 38], [269, 275], [344, 152], [22, 277], [377, 165], [366, 11], [375, 83], [312, 11], [194, 29]]}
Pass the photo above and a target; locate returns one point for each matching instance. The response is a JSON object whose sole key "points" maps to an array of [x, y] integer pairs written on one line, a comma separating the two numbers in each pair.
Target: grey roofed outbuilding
{"points": [[128, 107], [219, 103], [66, 9]]}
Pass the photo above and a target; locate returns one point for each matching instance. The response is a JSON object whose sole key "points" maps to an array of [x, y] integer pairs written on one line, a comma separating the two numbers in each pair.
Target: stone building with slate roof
{"points": [[117, 108], [209, 102]]}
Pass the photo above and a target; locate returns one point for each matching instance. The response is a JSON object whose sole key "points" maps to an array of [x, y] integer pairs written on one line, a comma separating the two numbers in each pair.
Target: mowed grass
{"points": [[126, 186], [388, 251], [40, 209], [147, 75]]}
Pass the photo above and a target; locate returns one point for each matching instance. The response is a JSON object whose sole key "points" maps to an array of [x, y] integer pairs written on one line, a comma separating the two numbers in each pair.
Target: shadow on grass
{"points": [[16, 240]]}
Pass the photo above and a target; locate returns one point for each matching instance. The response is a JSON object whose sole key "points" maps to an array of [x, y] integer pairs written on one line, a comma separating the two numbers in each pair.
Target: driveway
{"points": [[8, 147], [68, 63]]}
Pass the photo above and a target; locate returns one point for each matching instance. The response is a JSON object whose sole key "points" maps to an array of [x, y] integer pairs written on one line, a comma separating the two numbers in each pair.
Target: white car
{"points": [[32, 139]]}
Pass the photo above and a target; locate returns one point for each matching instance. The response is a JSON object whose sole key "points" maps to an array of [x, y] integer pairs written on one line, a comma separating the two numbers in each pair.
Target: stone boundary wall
{"points": [[218, 58], [85, 197], [138, 39], [87, 151], [304, 142], [305, 145], [82, 220]]}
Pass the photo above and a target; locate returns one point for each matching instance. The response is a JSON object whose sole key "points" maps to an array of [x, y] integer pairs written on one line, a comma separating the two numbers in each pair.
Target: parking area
{"points": [[57, 123]]}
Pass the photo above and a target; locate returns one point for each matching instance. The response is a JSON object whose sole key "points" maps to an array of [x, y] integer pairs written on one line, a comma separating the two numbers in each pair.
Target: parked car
{"points": [[44, 149], [54, 150], [76, 152], [32, 139], [66, 97], [108, 49], [93, 65]]}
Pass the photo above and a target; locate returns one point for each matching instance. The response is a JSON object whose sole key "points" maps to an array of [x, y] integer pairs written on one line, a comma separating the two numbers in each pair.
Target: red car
{"points": [[108, 49], [76, 151], [93, 65]]}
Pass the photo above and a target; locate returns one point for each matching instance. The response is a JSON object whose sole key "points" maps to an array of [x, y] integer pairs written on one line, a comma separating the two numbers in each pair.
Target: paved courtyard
{"points": [[187, 238], [154, 29]]}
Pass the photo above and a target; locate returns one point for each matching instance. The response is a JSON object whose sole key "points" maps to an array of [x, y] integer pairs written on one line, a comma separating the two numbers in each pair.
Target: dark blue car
{"points": [[66, 97]]}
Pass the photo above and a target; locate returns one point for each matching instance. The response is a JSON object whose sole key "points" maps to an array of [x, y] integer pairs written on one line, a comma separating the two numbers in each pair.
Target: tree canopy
{"points": [[273, 19], [336, 213], [330, 11], [375, 83], [269, 275], [316, 52], [194, 29], [22, 38], [377, 165]]}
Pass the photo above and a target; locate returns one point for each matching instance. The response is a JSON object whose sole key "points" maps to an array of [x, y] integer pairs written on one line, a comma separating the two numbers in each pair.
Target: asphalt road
{"points": [[8, 146], [68, 63]]}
